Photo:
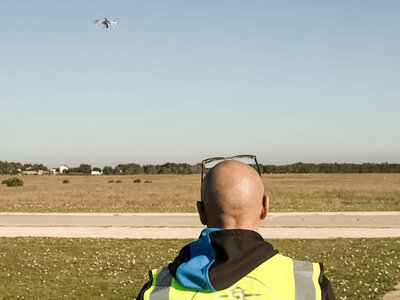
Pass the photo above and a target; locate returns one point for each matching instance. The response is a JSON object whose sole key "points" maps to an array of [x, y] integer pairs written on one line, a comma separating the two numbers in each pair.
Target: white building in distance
{"points": [[62, 169]]}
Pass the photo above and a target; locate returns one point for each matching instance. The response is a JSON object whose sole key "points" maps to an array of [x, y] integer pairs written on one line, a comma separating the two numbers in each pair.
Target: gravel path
{"points": [[296, 219], [192, 232], [158, 225]]}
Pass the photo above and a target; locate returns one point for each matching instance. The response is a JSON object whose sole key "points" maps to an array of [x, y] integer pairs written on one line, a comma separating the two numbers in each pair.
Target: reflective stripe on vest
{"points": [[280, 277], [305, 285], [161, 285]]}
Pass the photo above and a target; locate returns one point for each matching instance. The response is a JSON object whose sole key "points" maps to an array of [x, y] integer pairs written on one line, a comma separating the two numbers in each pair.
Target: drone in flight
{"points": [[106, 23]]}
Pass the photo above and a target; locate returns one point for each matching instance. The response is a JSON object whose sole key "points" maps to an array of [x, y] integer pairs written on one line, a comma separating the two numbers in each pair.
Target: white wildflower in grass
{"points": [[53, 268]]}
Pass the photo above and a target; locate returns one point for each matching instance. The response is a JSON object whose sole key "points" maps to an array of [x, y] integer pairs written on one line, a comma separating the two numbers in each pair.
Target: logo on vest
{"points": [[238, 293]]}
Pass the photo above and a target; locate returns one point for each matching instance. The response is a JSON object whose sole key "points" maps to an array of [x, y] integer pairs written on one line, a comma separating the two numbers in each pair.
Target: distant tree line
{"points": [[82, 169], [331, 168], [15, 168], [168, 168], [183, 168]]}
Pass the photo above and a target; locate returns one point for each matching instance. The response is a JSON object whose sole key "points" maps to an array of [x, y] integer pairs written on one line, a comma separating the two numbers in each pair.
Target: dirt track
{"points": [[193, 232], [156, 225]]}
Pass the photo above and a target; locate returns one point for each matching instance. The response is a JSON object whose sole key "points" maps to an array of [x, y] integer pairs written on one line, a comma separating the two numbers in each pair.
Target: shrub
{"points": [[119, 181], [65, 181], [147, 181], [13, 181], [111, 181], [137, 181]]}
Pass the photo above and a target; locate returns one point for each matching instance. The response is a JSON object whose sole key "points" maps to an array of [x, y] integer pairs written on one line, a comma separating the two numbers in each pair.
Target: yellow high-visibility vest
{"points": [[280, 277]]}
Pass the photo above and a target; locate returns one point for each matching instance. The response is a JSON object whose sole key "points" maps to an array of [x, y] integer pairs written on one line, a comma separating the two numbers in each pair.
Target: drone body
{"points": [[106, 23]]}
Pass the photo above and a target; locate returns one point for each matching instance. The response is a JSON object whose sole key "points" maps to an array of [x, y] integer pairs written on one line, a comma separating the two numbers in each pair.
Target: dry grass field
{"points": [[179, 193]]}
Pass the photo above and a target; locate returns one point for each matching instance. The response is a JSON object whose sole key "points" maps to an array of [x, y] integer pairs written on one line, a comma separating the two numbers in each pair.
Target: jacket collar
{"points": [[219, 258]]}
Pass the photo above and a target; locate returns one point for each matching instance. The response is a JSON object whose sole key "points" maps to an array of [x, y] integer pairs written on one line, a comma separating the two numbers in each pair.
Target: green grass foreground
{"points": [[58, 268]]}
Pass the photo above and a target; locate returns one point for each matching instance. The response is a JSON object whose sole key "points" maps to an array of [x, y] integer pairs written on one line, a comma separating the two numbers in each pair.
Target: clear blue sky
{"points": [[179, 81]]}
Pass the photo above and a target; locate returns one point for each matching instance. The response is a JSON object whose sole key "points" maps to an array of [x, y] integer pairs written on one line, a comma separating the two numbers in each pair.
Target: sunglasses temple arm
{"points": [[258, 167]]}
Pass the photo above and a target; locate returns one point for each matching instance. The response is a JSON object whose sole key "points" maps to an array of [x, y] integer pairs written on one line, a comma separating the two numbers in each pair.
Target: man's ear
{"points": [[265, 208], [202, 212]]}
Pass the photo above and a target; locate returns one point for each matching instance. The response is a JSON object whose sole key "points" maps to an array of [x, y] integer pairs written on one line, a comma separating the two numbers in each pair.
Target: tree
{"points": [[107, 170], [130, 169], [151, 169], [85, 169]]}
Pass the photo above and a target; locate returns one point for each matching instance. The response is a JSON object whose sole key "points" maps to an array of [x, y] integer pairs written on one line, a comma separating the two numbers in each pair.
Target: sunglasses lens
{"points": [[211, 163]]}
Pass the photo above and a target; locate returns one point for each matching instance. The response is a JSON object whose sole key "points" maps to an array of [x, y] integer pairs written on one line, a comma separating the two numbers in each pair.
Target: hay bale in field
{"points": [[65, 181], [148, 181], [137, 181]]}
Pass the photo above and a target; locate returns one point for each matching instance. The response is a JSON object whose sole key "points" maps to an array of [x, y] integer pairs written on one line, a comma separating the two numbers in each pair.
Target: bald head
{"points": [[232, 196]]}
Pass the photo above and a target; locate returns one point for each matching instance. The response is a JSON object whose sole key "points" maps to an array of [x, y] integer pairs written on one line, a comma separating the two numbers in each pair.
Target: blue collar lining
{"points": [[195, 272]]}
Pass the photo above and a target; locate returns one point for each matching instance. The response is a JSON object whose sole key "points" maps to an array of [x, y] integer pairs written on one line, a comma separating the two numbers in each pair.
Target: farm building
{"points": [[63, 169], [60, 170]]}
